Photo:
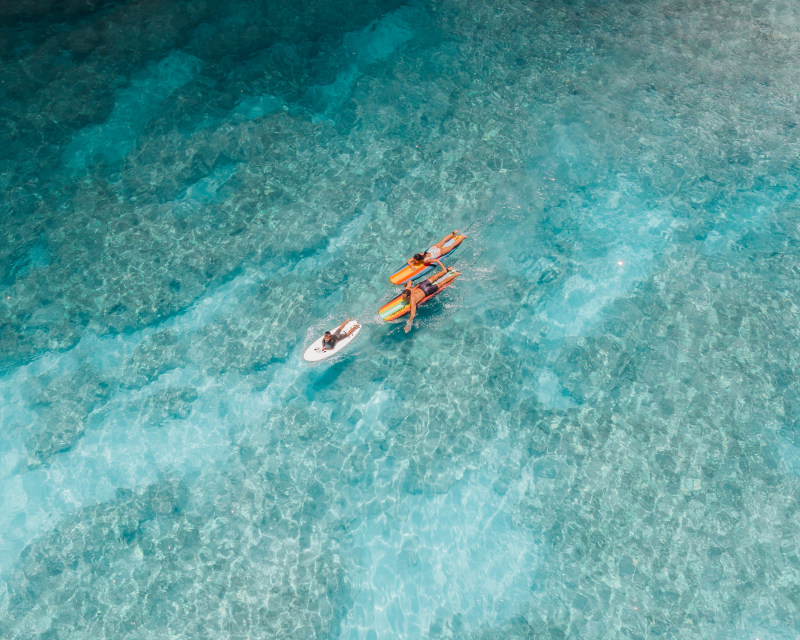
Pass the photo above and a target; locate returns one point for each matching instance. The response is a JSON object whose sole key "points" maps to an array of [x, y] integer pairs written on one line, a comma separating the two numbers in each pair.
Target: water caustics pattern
{"points": [[595, 433]]}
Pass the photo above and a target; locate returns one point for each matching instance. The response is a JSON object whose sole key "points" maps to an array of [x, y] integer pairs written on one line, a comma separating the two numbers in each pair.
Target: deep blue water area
{"points": [[594, 433]]}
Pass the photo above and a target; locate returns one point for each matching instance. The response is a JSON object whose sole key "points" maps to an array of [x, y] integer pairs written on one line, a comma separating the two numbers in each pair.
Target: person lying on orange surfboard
{"points": [[424, 289], [433, 254]]}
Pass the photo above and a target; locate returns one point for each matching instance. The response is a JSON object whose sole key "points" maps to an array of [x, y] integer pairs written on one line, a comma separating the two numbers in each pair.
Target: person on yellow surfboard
{"points": [[413, 294]]}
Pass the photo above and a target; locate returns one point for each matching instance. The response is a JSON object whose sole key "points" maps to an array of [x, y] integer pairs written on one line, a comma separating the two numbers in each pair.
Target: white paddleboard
{"points": [[315, 352]]}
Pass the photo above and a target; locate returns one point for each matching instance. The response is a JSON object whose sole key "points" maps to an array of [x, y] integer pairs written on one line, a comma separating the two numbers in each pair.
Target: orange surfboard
{"points": [[398, 307], [420, 269]]}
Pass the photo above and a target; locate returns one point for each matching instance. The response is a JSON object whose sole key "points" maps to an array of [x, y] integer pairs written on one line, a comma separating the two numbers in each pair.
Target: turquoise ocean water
{"points": [[594, 433]]}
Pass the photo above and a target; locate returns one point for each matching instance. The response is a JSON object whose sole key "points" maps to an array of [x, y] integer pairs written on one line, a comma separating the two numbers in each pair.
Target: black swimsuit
{"points": [[428, 288]]}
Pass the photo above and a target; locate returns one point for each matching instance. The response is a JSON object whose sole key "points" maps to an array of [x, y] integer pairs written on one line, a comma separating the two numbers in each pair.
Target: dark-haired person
{"points": [[414, 294], [433, 254], [330, 339]]}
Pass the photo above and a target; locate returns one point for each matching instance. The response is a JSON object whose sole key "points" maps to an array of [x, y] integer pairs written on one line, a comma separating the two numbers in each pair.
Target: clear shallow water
{"points": [[593, 434]]}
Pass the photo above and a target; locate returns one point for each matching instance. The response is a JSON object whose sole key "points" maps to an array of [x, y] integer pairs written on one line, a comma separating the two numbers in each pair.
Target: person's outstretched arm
{"points": [[411, 317]]}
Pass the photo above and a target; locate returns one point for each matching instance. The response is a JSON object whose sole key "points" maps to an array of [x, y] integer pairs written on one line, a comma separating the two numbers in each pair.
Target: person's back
{"points": [[416, 294]]}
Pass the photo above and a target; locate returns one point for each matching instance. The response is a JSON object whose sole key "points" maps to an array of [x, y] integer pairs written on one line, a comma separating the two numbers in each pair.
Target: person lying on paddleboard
{"points": [[424, 289], [433, 254], [329, 340]]}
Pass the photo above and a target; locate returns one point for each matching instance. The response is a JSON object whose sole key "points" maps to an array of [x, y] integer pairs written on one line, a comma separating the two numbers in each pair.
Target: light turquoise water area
{"points": [[594, 433]]}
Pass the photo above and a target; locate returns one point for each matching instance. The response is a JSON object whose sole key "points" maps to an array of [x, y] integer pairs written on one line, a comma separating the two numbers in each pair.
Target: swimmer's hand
{"points": [[408, 327]]}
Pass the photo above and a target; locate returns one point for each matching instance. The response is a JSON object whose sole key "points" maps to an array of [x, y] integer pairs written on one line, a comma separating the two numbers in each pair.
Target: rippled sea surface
{"points": [[594, 433]]}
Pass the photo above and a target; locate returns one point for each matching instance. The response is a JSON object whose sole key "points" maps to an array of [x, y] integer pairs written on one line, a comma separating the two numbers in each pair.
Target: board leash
{"points": [[475, 261], [485, 219]]}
